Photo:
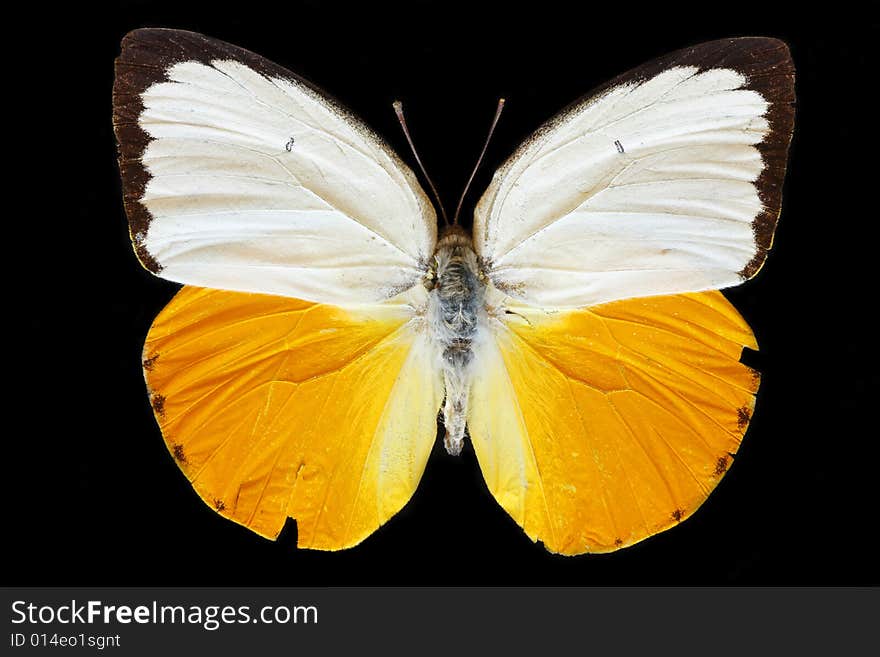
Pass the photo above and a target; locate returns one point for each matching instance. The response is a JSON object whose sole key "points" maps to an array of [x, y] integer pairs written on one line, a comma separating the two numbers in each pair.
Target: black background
{"points": [[93, 497]]}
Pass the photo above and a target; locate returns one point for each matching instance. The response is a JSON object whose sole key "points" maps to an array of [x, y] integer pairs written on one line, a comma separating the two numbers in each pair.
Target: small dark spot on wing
{"points": [[289, 145], [743, 416], [150, 362], [756, 377], [619, 146], [178, 453], [677, 515], [618, 542], [512, 289], [219, 504], [158, 403], [721, 465]]}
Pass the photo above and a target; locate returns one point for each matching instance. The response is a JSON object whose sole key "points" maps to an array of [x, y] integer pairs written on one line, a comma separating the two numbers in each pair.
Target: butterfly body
{"points": [[456, 307]]}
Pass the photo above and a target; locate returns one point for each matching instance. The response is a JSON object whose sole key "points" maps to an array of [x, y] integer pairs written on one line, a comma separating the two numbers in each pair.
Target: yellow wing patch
{"points": [[596, 428], [275, 407]]}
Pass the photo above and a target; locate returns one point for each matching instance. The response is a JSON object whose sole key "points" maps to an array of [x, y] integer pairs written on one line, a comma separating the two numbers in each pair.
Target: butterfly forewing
{"points": [[239, 175], [666, 180]]}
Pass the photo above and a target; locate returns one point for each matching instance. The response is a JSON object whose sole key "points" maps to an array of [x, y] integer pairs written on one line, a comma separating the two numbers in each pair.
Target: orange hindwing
{"points": [[276, 408], [596, 428]]}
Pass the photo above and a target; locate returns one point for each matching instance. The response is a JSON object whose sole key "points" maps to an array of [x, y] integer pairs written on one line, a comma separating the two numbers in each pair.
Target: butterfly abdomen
{"points": [[456, 304]]}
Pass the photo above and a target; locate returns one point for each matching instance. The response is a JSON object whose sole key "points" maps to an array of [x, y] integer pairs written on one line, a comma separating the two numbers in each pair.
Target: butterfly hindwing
{"points": [[239, 175], [668, 179], [277, 408], [596, 428]]}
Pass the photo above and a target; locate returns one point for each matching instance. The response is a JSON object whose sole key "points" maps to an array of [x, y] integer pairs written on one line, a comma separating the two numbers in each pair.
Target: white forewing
{"points": [[649, 188], [257, 183]]}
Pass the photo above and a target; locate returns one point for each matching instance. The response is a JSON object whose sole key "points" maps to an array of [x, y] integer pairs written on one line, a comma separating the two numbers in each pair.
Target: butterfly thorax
{"points": [[456, 308]]}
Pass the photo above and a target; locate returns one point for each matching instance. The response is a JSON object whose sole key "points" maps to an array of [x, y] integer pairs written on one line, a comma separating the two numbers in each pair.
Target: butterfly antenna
{"points": [[398, 109], [480, 160]]}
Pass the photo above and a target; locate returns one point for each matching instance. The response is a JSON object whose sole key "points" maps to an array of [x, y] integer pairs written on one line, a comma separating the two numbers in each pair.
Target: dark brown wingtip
{"points": [[145, 56], [768, 68], [133, 75], [771, 73]]}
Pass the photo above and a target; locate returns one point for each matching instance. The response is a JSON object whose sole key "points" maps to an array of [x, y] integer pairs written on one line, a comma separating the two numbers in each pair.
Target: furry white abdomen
{"points": [[457, 317]]}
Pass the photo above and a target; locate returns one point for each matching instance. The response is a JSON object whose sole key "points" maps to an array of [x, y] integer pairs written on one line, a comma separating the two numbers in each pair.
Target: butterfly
{"points": [[577, 335]]}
